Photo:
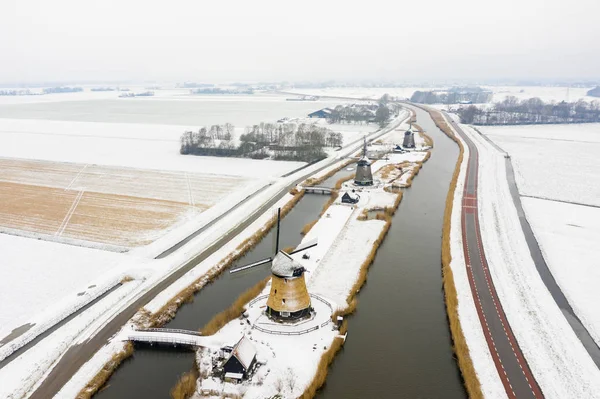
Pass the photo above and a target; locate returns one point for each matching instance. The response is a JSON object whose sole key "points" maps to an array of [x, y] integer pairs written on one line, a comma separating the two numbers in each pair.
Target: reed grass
{"points": [[313, 181], [308, 226], [427, 139], [460, 347], [104, 374], [328, 356], [340, 182], [235, 310], [185, 387]]}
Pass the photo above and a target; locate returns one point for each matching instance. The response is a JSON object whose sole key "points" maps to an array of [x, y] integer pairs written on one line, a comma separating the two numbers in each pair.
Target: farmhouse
{"points": [[241, 361], [322, 113], [350, 198]]}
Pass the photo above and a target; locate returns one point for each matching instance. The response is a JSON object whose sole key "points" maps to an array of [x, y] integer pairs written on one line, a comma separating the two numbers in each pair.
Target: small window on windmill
{"points": [[276, 290], [283, 301]]}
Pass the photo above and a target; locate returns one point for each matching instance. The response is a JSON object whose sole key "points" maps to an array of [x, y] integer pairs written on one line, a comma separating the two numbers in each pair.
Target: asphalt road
{"points": [[77, 355], [512, 367]]}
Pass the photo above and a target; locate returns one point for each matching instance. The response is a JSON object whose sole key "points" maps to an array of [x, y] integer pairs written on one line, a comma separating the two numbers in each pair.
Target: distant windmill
{"points": [[289, 299], [364, 176]]}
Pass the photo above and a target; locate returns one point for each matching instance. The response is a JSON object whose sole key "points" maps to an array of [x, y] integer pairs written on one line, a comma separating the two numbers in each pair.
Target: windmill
{"points": [[364, 176], [288, 299]]}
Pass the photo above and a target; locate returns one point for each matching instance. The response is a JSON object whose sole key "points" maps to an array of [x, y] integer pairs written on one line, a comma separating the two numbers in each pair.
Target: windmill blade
{"points": [[251, 265], [305, 246]]}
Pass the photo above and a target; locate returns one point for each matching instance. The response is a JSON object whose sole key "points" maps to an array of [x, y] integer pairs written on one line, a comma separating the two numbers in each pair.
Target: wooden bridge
{"points": [[318, 190], [172, 337]]}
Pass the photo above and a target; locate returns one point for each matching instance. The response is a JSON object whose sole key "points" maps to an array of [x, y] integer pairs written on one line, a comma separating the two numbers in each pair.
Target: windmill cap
{"points": [[285, 266]]}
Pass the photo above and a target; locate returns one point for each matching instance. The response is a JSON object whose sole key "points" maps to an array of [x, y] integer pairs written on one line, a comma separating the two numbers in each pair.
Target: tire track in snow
{"points": [[69, 214]]}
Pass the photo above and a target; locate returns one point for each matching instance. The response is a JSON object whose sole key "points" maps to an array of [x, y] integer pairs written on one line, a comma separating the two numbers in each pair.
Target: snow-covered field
{"points": [[560, 162], [121, 144], [31, 286], [568, 235], [372, 93], [545, 93], [558, 360]]}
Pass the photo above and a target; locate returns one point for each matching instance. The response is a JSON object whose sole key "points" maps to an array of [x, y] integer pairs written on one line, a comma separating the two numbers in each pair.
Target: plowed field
{"points": [[119, 206]]}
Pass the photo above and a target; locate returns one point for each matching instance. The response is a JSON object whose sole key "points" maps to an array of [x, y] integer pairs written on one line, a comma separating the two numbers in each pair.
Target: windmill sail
{"points": [[251, 265], [300, 248], [305, 246]]}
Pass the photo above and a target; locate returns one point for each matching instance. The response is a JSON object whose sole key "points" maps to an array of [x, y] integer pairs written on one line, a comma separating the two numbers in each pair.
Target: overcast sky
{"points": [[225, 40]]}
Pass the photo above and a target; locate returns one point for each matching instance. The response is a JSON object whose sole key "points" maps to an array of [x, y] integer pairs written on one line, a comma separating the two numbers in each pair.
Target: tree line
{"points": [[364, 113], [282, 141], [65, 89], [454, 95], [513, 111]]}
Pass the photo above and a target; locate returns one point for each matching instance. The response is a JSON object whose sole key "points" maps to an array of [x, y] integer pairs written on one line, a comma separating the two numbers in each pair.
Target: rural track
{"points": [[77, 355], [512, 367]]}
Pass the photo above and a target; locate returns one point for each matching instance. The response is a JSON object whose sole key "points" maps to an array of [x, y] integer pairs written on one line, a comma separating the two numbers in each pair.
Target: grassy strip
{"points": [[323, 367], [186, 385], [427, 139], [307, 227], [235, 310], [460, 345], [104, 374]]}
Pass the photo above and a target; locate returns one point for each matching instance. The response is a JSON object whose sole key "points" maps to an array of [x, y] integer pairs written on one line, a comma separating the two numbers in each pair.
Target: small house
{"points": [[241, 360], [322, 113], [350, 198]]}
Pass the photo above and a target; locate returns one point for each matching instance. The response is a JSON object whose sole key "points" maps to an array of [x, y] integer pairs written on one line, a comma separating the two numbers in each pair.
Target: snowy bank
{"points": [[558, 360]]}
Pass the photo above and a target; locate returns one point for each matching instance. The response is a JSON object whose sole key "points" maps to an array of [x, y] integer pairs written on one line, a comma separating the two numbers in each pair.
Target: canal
{"points": [[398, 344]]}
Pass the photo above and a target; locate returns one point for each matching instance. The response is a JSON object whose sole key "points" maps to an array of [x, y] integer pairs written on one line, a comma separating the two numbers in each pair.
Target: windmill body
{"points": [[288, 299], [364, 176]]}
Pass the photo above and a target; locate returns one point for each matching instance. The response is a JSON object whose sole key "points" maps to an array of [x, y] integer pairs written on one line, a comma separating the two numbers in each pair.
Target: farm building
{"points": [[241, 360], [322, 113], [350, 198]]}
